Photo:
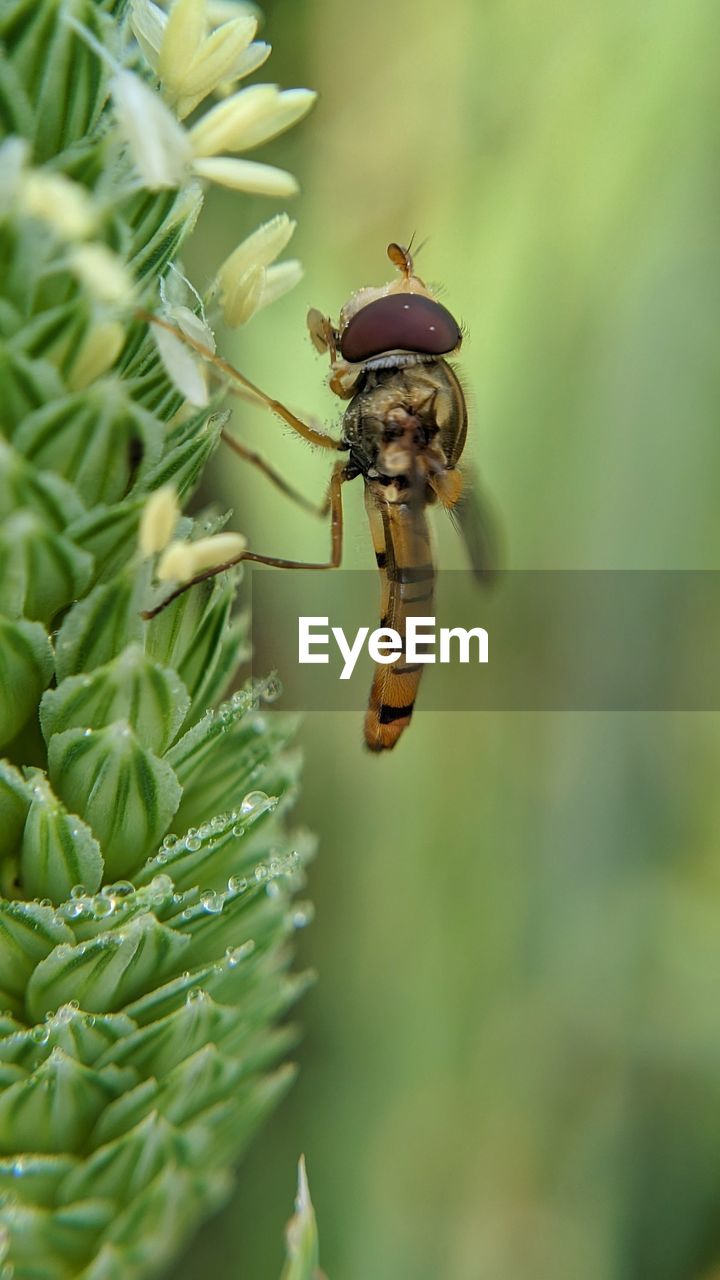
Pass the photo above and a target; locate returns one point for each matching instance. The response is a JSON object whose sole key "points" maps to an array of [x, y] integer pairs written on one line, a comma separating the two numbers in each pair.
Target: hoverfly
{"points": [[403, 431]]}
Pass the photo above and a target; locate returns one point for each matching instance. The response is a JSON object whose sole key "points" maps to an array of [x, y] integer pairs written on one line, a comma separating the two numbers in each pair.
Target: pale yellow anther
{"points": [[182, 561], [184, 33], [205, 61], [248, 118], [98, 353], [57, 200], [217, 56], [246, 175], [103, 273], [159, 518], [280, 279], [260, 248], [242, 298]]}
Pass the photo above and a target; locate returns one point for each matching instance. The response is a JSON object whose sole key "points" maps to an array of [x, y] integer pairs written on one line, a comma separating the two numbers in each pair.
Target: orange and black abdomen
{"points": [[402, 548]]}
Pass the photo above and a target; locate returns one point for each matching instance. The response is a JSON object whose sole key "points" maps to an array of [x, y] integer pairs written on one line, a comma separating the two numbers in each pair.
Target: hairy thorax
{"points": [[405, 426]]}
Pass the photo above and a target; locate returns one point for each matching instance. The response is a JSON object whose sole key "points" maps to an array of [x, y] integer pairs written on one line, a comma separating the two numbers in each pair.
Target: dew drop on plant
{"points": [[273, 689], [170, 841], [193, 843], [237, 884], [212, 901], [253, 800], [302, 916], [77, 891], [261, 872], [121, 889], [160, 886]]}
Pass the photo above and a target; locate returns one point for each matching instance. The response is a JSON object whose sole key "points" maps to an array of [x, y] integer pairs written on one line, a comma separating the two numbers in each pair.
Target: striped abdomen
{"points": [[402, 548]]}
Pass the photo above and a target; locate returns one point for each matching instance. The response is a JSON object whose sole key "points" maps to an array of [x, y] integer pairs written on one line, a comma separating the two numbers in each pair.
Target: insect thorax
{"points": [[405, 423]]}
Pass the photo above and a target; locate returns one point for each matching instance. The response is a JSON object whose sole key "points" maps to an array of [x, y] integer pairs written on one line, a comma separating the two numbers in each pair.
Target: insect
{"points": [[403, 431]]}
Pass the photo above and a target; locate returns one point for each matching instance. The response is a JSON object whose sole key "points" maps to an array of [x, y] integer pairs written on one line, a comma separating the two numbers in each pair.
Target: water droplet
{"points": [[196, 995], [237, 884], [170, 841], [272, 690], [160, 857], [302, 916], [253, 800], [77, 891], [261, 871], [121, 889], [67, 1012], [193, 843], [212, 901], [103, 906]]}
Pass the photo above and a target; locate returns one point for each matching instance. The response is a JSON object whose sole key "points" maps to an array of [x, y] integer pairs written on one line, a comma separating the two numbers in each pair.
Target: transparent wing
{"points": [[479, 526]]}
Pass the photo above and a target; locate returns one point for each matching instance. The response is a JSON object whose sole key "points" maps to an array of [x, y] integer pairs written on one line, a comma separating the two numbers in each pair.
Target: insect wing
{"points": [[477, 522]]}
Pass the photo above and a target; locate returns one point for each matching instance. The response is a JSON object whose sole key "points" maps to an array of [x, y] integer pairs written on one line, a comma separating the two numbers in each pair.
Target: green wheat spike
{"points": [[143, 963]]}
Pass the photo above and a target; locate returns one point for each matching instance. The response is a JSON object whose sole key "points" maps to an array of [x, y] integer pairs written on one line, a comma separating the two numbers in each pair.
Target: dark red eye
{"points": [[400, 322]]}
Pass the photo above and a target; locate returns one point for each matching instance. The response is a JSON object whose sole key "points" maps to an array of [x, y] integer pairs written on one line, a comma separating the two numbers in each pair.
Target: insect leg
{"points": [[237, 379], [249, 455], [333, 504]]}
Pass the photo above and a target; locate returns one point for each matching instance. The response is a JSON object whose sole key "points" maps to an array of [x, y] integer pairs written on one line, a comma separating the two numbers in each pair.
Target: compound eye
{"points": [[400, 322]]}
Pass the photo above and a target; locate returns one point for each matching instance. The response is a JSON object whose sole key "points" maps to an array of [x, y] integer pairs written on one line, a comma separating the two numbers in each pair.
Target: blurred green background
{"points": [[511, 1063]]}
